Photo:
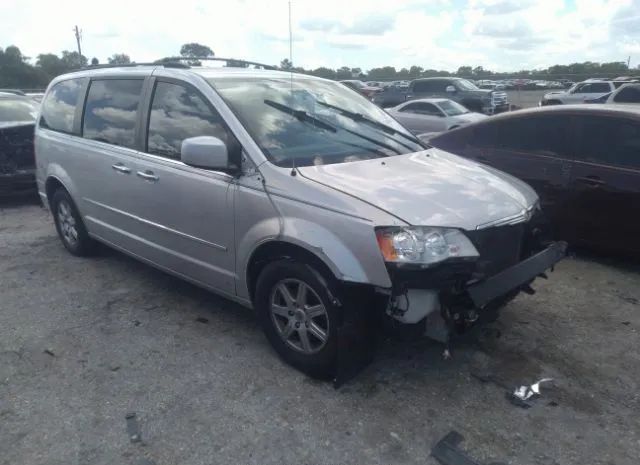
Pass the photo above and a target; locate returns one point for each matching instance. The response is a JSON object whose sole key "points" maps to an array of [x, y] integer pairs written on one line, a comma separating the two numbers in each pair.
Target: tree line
{"points": [[17, 71]]}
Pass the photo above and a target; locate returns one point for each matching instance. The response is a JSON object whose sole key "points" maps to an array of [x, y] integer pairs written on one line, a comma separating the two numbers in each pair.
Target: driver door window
{"points": [[422, 108], [177, 113]]}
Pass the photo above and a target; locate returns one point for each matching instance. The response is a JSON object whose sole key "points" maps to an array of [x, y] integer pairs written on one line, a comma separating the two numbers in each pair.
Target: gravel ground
{"points": [[84, 341]]}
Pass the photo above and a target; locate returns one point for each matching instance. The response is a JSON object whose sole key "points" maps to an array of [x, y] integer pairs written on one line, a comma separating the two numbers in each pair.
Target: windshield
{"points": [[452, 108], [312, 121], [466, 85], [17, 110]]}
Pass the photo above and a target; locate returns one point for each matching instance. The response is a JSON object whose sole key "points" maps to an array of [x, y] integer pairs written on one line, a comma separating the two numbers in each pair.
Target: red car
{"points": [[362, 88]]}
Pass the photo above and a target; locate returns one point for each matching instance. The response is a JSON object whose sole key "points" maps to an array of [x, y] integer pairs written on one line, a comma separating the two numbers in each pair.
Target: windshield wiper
{"points": [[383, 127], [302, 115]]}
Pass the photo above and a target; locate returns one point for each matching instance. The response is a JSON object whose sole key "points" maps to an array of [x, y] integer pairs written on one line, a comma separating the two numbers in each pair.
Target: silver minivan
{"points": [[289, 194]]}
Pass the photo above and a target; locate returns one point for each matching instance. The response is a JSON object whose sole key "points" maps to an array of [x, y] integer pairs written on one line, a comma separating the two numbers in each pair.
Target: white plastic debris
{"points": [[527, 392]]}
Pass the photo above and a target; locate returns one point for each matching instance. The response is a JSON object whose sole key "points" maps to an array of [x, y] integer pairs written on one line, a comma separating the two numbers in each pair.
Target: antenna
{"points": [[293, 159]]}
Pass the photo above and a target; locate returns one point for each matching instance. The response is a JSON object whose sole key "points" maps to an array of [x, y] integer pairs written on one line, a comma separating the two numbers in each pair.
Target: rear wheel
{"points": [[69, 225], [299, 316]]}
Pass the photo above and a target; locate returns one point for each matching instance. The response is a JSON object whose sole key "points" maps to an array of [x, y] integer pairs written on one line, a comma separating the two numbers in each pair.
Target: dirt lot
{"points": [[207, 388]]}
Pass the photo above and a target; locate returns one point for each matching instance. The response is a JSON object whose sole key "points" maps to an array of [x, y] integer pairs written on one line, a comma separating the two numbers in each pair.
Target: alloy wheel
{"points": [[299, 316]]}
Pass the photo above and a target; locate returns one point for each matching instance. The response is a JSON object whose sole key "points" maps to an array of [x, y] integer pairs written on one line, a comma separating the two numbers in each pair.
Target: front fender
{"points": [[346, 261]]}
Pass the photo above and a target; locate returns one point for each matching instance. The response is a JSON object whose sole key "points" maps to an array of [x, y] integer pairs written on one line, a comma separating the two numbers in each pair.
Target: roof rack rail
{"points": [[166, 64], [228, 60]]}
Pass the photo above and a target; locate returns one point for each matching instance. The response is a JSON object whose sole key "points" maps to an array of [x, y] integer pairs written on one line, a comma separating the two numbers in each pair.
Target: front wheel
{"points": [[299, 315]]}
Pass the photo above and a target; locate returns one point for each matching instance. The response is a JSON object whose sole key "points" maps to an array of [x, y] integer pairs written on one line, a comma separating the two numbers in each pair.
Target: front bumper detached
{"points": [[516, 276]]}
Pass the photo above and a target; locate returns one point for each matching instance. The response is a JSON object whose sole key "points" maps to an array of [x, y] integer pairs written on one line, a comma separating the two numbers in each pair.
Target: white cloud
{"points": [[496, 34]]}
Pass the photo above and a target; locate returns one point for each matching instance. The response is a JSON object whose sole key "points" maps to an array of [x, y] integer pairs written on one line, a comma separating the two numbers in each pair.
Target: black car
{"points": [[391, 96], [17, 161], [584, 162]]}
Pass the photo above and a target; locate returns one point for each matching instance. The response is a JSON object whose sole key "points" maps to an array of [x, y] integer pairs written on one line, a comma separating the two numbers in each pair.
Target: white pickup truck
{"points": [[580, 92]]}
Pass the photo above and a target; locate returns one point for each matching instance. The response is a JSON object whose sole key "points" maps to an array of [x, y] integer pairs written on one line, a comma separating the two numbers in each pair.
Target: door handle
{"points": [[121, 168], [591, 181], [147, 175]]}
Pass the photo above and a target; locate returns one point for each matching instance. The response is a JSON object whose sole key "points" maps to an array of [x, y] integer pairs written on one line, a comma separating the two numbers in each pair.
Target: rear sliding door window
{"points": [[177, 113], [111, 110], [59, 108]]}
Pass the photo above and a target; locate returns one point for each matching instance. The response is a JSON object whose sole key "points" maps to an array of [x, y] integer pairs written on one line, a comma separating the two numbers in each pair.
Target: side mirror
{"points": [[205, 152], [450, 89]]}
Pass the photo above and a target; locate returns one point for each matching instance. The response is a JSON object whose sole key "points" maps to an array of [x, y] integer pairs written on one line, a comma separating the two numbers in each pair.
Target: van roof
{"points": [[206, 72]]}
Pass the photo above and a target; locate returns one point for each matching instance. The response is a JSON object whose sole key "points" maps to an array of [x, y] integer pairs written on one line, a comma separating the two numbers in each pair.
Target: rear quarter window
{"points": [[59, 107]]}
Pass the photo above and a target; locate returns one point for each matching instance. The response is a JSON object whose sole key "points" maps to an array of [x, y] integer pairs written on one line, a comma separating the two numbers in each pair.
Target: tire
{"points": [[69, 225], [278, 317]]}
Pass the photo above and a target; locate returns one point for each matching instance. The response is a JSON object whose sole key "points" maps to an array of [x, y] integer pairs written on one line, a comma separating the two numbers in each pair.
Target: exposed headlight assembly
{"points": [[423, 245]]}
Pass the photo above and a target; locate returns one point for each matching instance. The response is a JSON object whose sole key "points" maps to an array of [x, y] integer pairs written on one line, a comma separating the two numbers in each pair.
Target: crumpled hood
{"points": [[429, 188]]}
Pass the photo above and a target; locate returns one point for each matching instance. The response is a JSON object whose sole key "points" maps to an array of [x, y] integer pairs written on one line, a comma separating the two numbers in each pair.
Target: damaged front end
{"points": [[450, 297], [17, 160], [457, 294]]}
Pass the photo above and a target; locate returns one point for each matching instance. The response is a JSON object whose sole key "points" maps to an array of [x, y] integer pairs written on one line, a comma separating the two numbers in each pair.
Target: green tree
{"points": [[15, 72], [73, 60], [344, 73], [51, 64], [119, 59], [464, 71], [195, 50], [286, 64], [386, 72], [323, 72], [95, 61], [415, 71]]}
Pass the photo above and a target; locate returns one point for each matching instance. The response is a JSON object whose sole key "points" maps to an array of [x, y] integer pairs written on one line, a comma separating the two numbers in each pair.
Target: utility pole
{"points": [[78, 34], [628, 61]]}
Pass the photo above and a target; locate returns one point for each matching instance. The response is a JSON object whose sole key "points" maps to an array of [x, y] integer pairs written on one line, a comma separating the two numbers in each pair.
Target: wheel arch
{"points": [[276, 249]]}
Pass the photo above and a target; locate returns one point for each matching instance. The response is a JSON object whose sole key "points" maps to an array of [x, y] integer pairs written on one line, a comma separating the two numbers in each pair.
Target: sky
{"points": [[500, 35]]}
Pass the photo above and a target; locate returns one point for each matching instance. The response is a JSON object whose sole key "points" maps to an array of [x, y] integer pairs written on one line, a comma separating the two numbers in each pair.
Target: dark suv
{"points": [[462, 91]]}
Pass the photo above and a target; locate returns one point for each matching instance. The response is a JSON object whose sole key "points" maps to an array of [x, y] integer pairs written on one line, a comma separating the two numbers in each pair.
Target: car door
{"points": [[420, 117], [104, 170], [588, 91], [628, 95], [605, 182], [186, 213]]}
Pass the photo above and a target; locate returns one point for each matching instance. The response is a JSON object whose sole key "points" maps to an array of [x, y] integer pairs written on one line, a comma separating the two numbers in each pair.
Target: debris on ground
{"points": [[132, 428], [201, 319], [524, 395], [49, 352], [446, 451]]}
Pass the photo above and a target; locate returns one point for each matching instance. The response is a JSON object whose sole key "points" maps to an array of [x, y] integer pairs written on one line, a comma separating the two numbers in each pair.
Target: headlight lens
{"points": [[423, 245]]}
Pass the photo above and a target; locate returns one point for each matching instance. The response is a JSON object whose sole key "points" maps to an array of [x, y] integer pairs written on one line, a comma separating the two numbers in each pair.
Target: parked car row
{"points": [[462, 91], [581, 92]]}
